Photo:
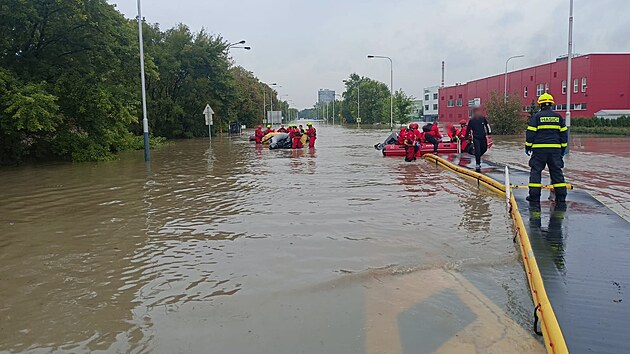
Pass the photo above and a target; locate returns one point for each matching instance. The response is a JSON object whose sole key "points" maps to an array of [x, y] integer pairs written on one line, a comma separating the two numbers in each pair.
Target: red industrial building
{"points": [[600, 82]]}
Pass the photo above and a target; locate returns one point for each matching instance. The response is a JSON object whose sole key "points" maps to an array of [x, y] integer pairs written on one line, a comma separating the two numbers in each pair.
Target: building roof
{"points": [[613, 112]]}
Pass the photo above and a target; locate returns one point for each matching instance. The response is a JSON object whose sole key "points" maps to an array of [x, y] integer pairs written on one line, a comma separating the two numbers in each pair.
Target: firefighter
{"points": [[312, 134], [282, 129], [461, 136], [452, 132], [258, 135], [478, 128], [268, 130], [411, 143], [432, 135], [296, 138], [401, 135], [546, 143]]}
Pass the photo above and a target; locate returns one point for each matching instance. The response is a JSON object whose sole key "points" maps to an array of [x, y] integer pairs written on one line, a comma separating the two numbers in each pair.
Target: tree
{"points": [[403, 105], [505, 115], [374, 100]]}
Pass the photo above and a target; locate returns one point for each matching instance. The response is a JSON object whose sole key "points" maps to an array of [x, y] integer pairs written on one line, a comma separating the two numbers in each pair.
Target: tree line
{"points": [[70, 82]]}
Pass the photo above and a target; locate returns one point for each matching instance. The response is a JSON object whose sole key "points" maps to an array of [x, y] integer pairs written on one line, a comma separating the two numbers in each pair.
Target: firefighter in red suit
{"points": [[412, 142], [282, 129], [461, 135], [296, 136], [401, 135], [268, 130], [312, 134], [451, 131], [258, 135]]}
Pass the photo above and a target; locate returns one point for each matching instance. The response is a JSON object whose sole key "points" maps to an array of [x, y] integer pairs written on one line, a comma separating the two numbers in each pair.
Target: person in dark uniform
{"points": [[546, 142], [478, 128]]}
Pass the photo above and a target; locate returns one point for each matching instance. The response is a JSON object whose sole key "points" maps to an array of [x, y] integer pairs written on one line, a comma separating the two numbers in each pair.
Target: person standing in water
{"points": [[312, 134], [478, 128]]}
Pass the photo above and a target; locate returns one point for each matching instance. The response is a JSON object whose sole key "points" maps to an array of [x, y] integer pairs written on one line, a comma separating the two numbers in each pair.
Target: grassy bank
{"points": [[601, 130]]}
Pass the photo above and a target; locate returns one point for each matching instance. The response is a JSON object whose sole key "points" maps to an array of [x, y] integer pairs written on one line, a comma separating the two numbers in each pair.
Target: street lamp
{"points": [[265, 101], [569, 83], [391, 78], [145, 120], [235, 44], [333, 116], [505, 78]]}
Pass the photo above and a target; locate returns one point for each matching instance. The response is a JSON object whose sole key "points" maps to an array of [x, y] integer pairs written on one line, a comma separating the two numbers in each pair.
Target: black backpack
{"points": [[427, 128]]}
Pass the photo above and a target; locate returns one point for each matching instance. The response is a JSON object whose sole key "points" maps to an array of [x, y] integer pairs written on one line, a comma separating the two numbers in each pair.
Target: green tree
{"points": [[374, 100], [403, 105], [505, 115]]}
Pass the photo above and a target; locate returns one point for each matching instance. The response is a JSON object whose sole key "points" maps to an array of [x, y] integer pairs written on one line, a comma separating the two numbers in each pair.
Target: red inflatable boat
{"points": [[399, 150]]}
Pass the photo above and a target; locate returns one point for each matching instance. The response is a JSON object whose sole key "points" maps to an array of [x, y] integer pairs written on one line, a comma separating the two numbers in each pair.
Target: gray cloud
{"points": [[307, 45]]}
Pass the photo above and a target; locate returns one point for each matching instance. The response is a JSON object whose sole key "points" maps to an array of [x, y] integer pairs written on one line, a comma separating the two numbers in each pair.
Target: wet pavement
{"points": [[223, 247]]}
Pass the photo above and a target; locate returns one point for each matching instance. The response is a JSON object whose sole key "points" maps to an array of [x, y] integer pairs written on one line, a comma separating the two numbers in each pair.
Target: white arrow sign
{"points": [[208, 113]]}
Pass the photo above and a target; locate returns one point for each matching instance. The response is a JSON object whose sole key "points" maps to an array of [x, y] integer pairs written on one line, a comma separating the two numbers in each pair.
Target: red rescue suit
{"points": [[401, 136], [411, 144], [269, 130], [258, 135], [282, 130], [296, 139], [312, 135], [452, 132]]}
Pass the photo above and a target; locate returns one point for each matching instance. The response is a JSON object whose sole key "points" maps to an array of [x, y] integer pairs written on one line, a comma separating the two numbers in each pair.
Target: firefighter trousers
{"points": [[553, 160]]}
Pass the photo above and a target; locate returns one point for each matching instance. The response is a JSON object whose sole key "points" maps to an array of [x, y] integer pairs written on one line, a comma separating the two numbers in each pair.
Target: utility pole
{"points": [[145, 120], [569, 79]]}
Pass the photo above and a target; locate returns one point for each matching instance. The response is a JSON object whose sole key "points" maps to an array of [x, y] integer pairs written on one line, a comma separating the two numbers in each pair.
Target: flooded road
{"points": [[226, 248]]}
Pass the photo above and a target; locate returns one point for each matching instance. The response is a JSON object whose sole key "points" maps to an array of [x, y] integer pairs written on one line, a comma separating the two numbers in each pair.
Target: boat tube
{"points": [[390, 147]]}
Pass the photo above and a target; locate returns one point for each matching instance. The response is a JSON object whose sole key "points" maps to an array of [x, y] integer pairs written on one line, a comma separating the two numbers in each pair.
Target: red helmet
{"points": [[413, 125], [463, 122], [260, 126]]}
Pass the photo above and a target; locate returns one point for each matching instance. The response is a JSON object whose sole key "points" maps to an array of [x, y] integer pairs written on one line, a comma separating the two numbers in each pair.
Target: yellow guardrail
{"points": [[552, 334]]}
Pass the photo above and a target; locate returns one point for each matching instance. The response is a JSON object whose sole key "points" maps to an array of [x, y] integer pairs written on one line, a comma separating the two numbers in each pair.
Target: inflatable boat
{"points": [[390, 147]]}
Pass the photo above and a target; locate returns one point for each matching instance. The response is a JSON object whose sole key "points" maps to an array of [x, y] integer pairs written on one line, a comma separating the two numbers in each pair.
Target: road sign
{"points": [[358, 120], [208, 113]]}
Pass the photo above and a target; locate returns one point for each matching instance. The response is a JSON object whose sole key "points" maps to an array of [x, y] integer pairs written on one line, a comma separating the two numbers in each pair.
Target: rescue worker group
{"points": [[546, 142], [296, 132]]}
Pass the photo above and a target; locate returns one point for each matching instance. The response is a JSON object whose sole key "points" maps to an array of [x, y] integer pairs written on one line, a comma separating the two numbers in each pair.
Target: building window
{"points": [[435, 106], [426, 97], [460, 96], [546, 87], [575, 86], [531, 78], [459, 102], [435, 96], [564, 87], [525, 91], [426, 107], [450, 97], [450, 115], [450, 103], [583, 84], [555, 74], [442, 98], [540, 89]]}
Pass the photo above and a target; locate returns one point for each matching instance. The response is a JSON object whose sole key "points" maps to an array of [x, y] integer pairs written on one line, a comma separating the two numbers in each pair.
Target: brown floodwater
{"points": [[223, 247]]}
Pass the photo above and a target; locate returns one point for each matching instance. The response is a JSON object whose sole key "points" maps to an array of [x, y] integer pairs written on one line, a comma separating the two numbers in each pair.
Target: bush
{"points": [[505, 115], [623, 121]]}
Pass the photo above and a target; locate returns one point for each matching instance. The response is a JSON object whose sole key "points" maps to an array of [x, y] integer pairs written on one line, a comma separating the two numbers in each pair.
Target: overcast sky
{"points": [[305, 45]]}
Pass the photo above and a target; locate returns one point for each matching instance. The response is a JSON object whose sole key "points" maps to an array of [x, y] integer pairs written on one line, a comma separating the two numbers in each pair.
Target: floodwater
{"points": [[223, 247]]}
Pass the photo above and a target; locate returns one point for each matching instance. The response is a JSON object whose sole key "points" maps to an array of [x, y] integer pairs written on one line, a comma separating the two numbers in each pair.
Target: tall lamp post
{"points": [[569, 83], [505, 77], [333, 116], [265, 101], [145, 120], [391, 84]]}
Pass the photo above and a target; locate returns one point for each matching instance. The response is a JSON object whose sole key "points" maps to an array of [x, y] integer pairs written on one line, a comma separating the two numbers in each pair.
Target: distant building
{"points": [[430, 102], [613, 113], [325, 96], [600, 83]]}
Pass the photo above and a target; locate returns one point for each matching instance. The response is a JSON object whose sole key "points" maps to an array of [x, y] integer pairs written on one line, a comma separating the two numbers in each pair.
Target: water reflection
{"points": [[553, 233]]}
